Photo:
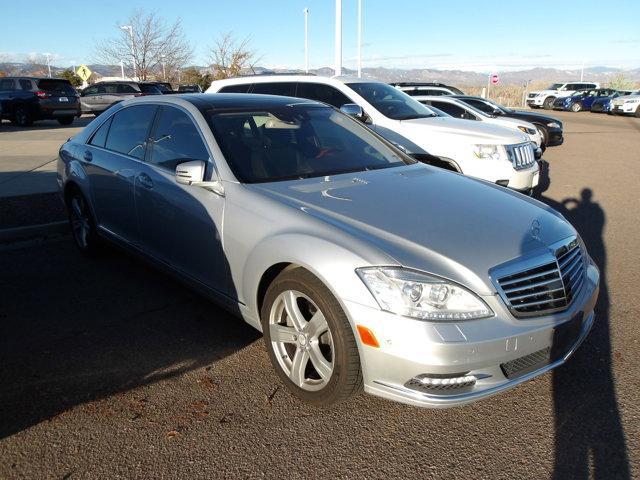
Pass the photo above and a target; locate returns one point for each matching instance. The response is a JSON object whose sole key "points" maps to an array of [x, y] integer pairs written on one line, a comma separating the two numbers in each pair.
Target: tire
{"points": [[82, 223], [548, 103], [315, 354], [637, 114], [21, 117], [576, 107], [65, 120]]}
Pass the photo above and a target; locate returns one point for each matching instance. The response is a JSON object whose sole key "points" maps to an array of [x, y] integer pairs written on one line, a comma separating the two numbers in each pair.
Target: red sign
{"points": [[495, 79]]}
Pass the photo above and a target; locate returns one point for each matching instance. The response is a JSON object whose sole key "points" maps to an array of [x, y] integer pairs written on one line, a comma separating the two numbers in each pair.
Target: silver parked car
{"points": [[361, 266]]}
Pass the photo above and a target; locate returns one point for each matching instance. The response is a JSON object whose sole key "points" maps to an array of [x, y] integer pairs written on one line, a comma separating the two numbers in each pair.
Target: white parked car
{"points": [[426, 88], [459, 109], [545, 98], [629, 104], [490, 152]]}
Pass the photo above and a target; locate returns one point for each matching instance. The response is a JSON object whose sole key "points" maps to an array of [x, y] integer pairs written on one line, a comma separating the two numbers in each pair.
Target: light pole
{"points": [[129, 28], [338, 51], [122, 69], [359, 38], [582, 71], [48, 55], [306, 40], [164, 72]]}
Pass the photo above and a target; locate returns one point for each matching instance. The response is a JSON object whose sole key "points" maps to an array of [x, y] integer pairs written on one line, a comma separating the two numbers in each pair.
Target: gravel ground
{"points": [[112, 370]]}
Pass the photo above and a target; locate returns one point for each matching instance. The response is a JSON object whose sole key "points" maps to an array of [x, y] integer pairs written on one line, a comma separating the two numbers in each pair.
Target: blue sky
{"points": [[480, 35]]}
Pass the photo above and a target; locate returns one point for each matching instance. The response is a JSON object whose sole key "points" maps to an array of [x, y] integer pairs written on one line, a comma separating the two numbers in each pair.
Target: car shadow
{"points": [[81, 122], [588, 428], [74, 329]]}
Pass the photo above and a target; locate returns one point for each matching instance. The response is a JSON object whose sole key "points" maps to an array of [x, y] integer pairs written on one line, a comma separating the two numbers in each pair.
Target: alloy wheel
{"points": [[301, 340], [80, 221]]}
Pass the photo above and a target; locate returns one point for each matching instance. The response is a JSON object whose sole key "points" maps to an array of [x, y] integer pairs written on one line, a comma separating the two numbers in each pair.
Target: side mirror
{"points": [[497, 111], [192, 173], [354, 111]]}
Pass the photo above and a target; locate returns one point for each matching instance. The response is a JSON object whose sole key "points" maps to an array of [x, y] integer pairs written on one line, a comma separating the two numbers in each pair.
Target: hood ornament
{"points": [[535, 230]]}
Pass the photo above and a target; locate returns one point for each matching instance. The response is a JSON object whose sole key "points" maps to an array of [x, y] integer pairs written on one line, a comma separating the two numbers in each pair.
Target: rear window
{"points": [[146, 88], [56, 86], [244, 88], [129, 130]]}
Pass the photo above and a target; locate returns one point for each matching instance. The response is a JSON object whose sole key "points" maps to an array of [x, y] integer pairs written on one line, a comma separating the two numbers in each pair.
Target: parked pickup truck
{"points": [[24, 100]]}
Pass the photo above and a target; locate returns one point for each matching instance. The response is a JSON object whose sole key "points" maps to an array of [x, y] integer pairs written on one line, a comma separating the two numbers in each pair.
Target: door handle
{"points": [[88, 156], [145, 181]]}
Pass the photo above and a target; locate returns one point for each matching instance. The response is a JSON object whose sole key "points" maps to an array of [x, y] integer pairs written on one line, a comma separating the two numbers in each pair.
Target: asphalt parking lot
{"points": [[109, 369]]}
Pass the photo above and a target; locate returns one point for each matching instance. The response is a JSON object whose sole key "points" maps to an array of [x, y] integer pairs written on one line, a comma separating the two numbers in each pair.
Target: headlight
{"points": [[635, 100], [494, 152], [529, 131], [417, 295], [553, 125]]}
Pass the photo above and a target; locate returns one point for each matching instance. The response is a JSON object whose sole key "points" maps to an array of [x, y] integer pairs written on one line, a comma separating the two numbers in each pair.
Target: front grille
{"points": [[528, 363], [548, 287], [521, 155]]}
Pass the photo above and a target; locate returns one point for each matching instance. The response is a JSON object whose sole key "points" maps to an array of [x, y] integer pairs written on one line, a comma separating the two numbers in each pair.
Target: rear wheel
{"points": [[21, 117], [637, 114], [65, 120], [576, 107], [548, 103], [82, 223], [309, 339]]}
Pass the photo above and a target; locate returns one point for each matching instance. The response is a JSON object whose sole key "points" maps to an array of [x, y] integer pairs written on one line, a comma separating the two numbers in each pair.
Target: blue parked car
{"points": [[603, 104], [583, 99]]}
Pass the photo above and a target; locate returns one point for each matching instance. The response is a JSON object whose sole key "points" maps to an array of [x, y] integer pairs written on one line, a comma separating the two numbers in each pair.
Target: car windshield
{"points": [[391, 102], [298, 141], [498, 106], [149, 88], [555, 86]]}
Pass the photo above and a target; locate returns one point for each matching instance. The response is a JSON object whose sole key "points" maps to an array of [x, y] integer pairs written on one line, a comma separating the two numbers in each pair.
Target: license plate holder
{"points": [[63, 99]]}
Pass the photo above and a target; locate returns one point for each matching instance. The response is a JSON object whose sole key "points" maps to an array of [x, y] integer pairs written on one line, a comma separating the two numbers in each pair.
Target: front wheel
{"points": [[576, 107], [21, 117], [309, 339], [637, 114], [83, 226], [548, 103]]}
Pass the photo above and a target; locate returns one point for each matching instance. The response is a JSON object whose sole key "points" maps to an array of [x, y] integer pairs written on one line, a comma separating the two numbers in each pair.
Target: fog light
{"points": [[443, 384]]}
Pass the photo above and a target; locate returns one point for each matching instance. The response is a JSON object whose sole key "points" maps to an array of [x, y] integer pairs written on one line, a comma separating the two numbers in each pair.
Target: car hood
{"points": [[621, 100], [534, 117], [429, 219], [463, 130]]}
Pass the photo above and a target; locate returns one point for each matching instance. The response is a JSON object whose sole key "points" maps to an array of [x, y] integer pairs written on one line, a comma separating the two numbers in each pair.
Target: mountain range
{"points": [[600, 74]]}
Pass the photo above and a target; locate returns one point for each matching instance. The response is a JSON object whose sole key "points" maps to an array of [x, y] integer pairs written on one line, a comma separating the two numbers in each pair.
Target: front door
{"points": [[112, 160], [180, 224]]}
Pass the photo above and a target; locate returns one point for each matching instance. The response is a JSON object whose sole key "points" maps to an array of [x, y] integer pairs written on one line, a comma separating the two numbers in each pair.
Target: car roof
{"points": [[22, 77], [419, 84], [292, 78], [204, 101]]}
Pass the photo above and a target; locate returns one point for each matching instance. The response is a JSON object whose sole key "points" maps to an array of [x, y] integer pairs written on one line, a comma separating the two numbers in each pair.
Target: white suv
{"points": [[545, 98], [496, 154], [459, 109]]}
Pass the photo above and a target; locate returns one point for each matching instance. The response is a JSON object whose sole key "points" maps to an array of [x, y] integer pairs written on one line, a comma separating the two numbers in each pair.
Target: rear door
{"points": [[7, 95], [112, 160], [179, 224]]}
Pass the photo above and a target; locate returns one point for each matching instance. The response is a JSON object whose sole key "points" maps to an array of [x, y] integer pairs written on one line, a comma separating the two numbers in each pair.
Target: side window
{"points": [[109, 88], [284, 89], [235, 88], [6, 84], [451, 109], [25, 85], [322, 93], [100, 137], [176, 139], [90, 90], [129, 128], [124, 88], [480, 105]]}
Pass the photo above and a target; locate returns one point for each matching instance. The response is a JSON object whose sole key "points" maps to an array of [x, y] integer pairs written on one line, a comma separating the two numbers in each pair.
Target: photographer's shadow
{"points": [[588, 428]]}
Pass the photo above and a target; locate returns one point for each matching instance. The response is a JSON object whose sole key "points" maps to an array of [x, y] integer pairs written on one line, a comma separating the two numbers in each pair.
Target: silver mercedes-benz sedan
{"points": [[361, 266]]}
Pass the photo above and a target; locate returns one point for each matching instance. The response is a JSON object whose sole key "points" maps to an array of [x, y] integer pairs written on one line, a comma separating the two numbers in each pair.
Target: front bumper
{"points": [[481, 348], [627, 108], [535, 101], [555, 137]]}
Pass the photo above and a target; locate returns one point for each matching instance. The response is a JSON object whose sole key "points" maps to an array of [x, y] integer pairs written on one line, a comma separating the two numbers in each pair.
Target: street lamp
{"points": [[48, 55], [338, 46], [359, 38], [164, 72], [306, 40], [129, 28]]}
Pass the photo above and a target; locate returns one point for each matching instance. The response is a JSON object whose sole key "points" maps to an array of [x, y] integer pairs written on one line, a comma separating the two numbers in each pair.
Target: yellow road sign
{"points": [[83, 72]]}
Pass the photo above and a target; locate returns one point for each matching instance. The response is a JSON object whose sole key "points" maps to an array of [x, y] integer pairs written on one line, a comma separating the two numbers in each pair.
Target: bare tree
{"points": [[621, 82], [150, 47], [229, 57]]}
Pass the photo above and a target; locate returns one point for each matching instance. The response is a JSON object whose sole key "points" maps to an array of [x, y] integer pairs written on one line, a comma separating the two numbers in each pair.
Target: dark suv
{"points": [[26, 99], [100, 96]]}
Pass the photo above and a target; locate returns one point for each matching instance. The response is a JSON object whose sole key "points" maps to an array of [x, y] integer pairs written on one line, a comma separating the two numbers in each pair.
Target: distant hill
{"points": [[462, 78]]}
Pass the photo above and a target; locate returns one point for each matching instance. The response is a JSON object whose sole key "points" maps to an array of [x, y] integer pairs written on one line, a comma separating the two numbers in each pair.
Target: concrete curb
{"points": [[18, 234]]}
